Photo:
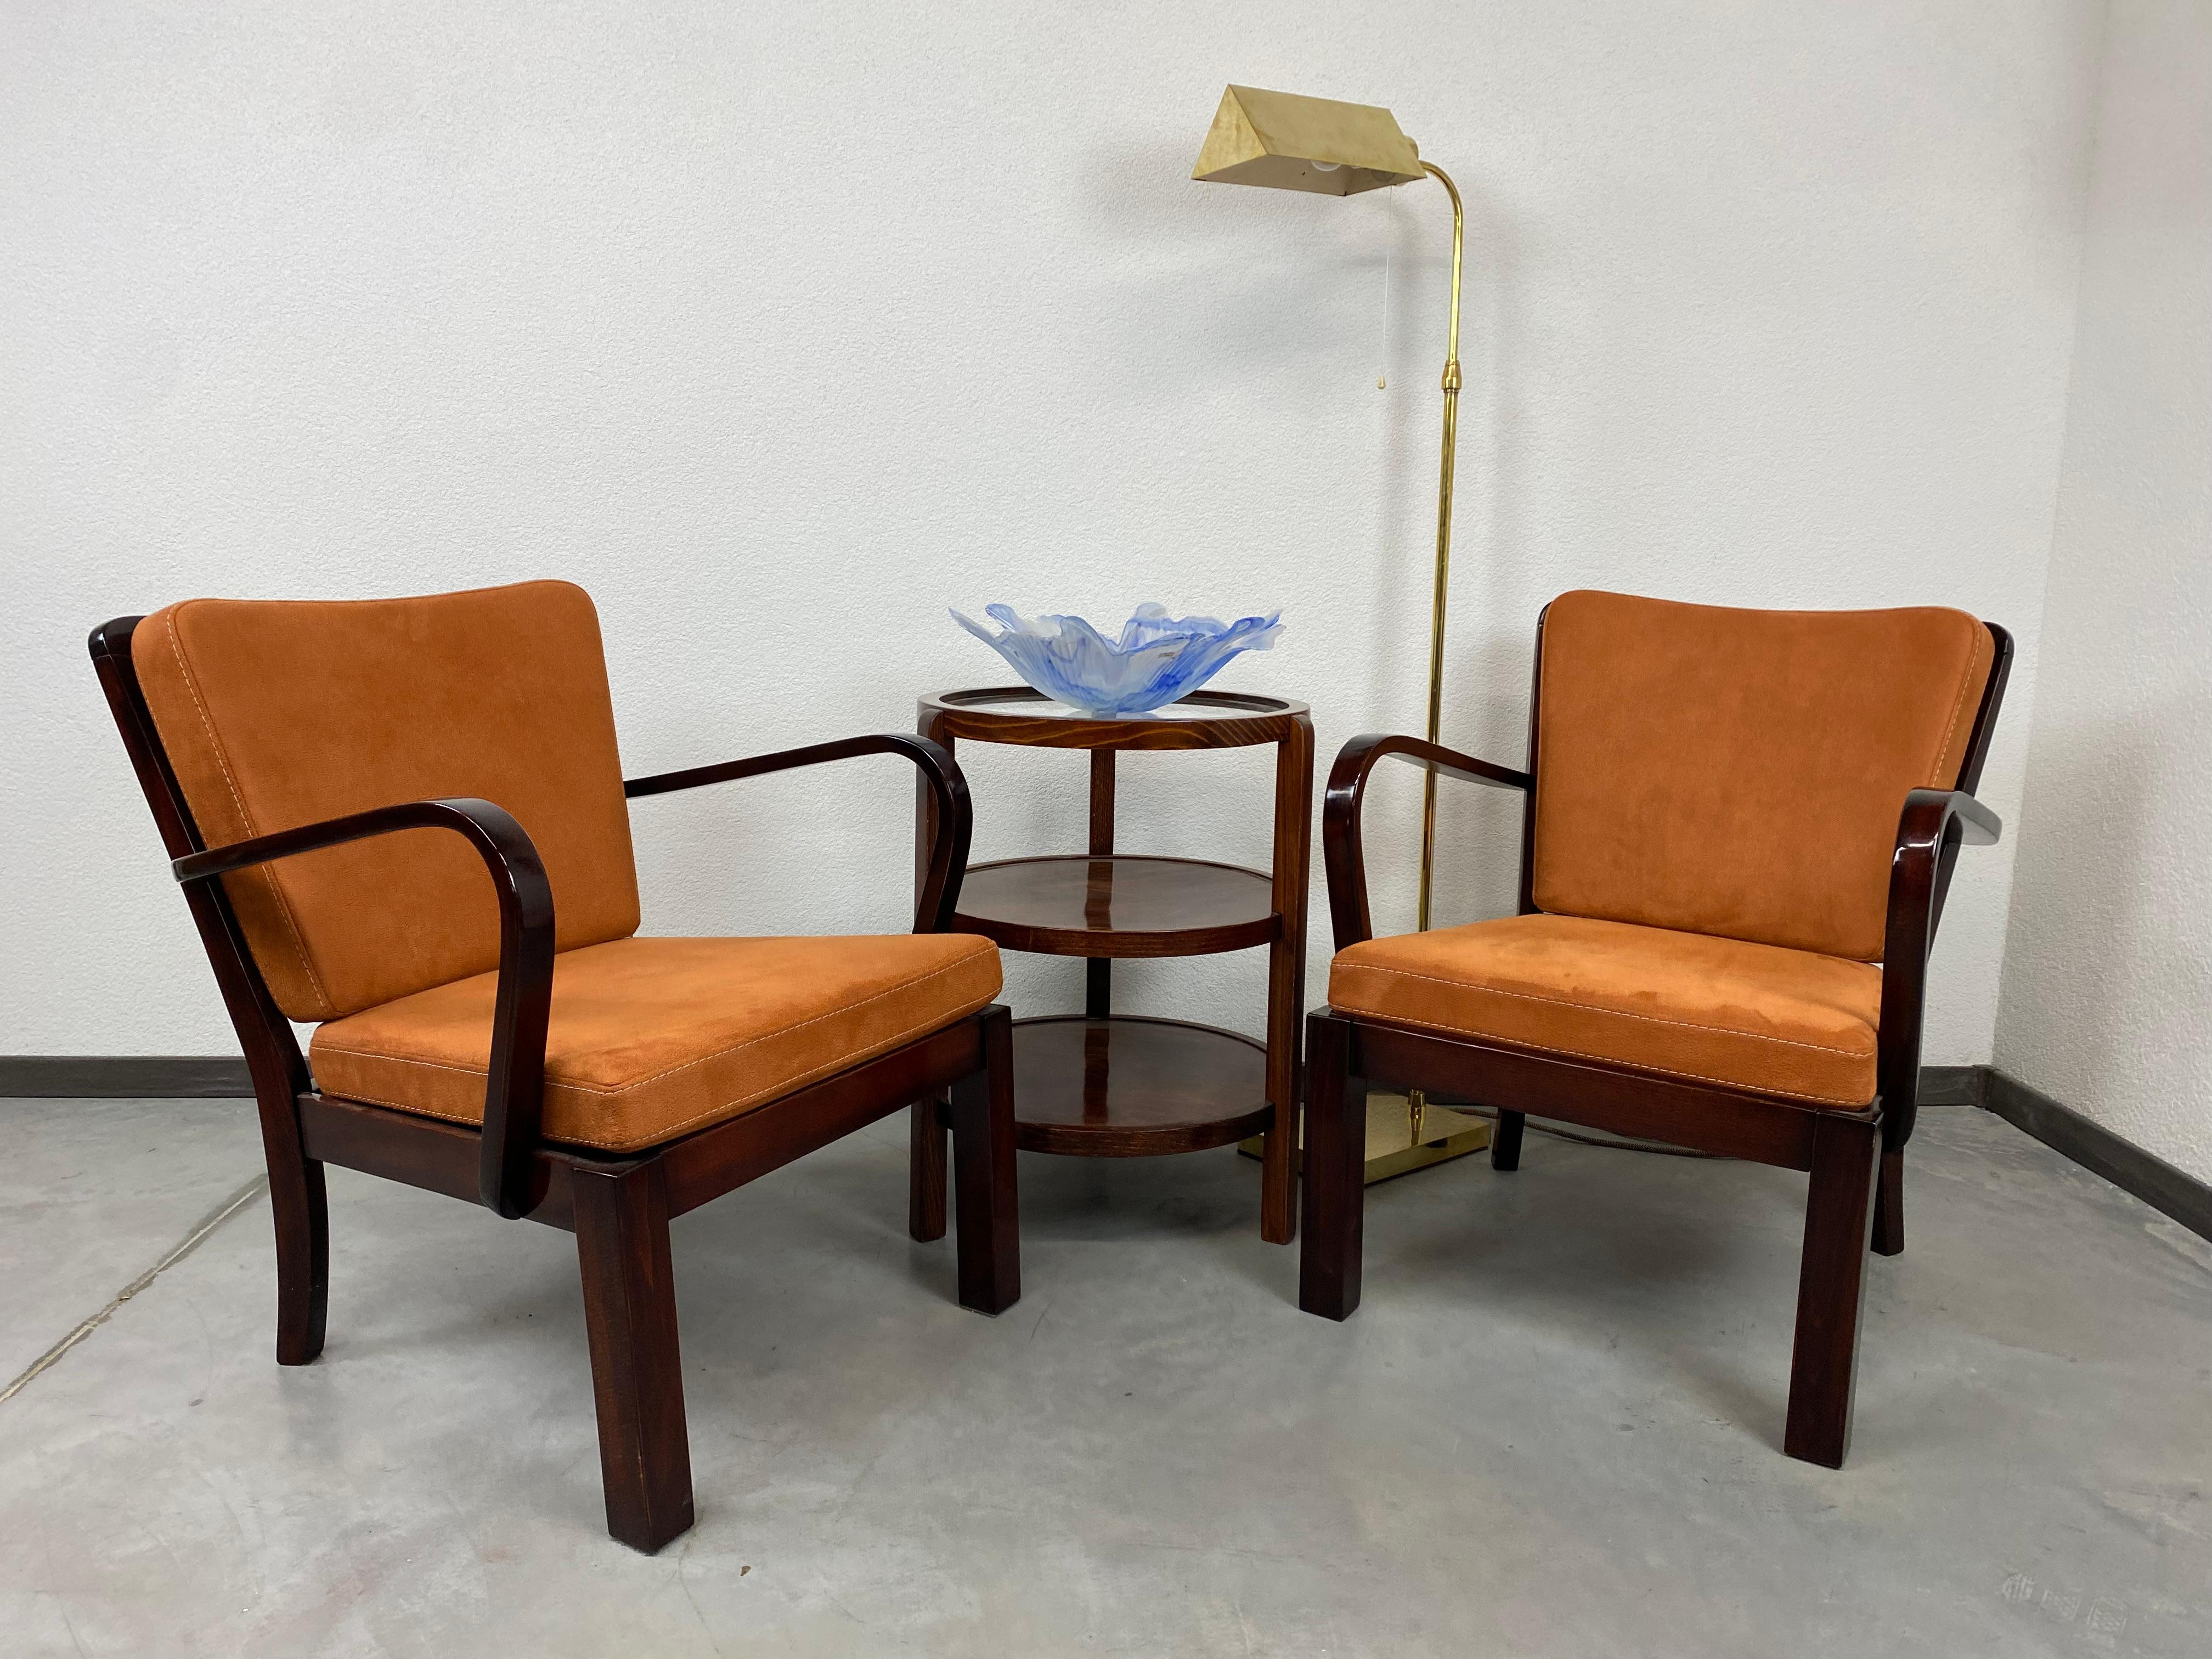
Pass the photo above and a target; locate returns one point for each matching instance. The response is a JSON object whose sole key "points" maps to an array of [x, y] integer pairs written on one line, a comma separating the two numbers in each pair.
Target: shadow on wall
{"points": [[1225, 285], [2077, 904], [2181, 955]]}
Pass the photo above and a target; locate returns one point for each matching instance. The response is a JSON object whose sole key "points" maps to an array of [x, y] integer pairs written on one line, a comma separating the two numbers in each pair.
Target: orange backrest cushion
{"points": [[1741, 773], [279, 713]]}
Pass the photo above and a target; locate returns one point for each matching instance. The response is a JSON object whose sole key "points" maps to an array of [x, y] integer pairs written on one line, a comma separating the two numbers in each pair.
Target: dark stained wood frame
{"points": [[1122, 944], [1243, 720], [619, 1207], [1855, 1158]]}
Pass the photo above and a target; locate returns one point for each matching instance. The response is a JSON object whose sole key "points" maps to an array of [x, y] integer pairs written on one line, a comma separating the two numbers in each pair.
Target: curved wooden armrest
{"points": [[514, 1092], [1340, 811], [1977, 825], [1934, 825], [948, 848]]}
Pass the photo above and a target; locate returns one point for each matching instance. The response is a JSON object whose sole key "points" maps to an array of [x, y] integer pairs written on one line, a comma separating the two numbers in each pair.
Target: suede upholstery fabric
{"points": [[1683, 1005], [654, 1038], [276, 714], [1740, 772]]}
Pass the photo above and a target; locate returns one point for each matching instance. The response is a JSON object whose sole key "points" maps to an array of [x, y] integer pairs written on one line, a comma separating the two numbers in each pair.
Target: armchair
{"points": [[478, 1039], [1735, 966]]}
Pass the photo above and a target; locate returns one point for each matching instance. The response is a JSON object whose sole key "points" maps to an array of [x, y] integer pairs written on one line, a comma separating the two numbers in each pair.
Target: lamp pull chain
{"points": [[1382, 351]]}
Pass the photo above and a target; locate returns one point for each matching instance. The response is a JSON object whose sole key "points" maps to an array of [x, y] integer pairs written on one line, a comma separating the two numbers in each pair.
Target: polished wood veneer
{"points": [[1133, 1087], [1104, 1085], [1074, 905]]}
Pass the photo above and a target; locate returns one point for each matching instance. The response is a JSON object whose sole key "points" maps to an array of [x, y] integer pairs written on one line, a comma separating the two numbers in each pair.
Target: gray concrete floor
{"points": [[1553, 1429]]}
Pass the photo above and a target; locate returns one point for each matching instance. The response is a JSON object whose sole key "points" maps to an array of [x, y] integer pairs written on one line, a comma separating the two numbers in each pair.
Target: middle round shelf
{"points": [[1122, 904]]}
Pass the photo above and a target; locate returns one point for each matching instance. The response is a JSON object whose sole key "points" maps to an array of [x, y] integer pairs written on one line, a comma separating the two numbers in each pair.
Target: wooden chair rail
{"points": [[428, 1153], [953, 822], [704, 1166], [1710, 1117], [442, 1156], [1341, 849], [514, 1090]]}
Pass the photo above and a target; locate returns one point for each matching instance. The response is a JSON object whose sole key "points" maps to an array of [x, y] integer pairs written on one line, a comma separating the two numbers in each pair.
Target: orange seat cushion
{"points": [[654, 1038], [1692, 1006]]}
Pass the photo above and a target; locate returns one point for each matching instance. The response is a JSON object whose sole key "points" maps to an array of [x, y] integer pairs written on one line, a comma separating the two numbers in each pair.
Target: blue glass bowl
{"points": [[1158, 659]]}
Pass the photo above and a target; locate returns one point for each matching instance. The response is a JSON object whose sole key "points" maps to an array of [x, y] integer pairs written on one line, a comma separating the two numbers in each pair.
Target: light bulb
{"points": [[1327, 167]]}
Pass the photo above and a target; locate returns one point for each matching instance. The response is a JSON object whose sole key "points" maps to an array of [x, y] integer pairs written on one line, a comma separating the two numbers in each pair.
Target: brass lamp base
{"points": [[1391, 1149]]}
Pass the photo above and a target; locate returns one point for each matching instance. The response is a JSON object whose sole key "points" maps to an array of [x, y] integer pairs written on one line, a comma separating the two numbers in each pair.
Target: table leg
{"points": [[1286, 981], [1099, 971]]}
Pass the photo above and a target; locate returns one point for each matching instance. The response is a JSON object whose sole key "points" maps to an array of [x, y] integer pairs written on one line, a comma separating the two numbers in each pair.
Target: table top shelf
{"points": [[1200, 719], [1119, 905]]}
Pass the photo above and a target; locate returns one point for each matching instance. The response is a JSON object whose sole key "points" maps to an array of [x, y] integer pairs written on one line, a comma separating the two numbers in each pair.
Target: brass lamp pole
{"points": [[1443, 548], [1282, 141]]}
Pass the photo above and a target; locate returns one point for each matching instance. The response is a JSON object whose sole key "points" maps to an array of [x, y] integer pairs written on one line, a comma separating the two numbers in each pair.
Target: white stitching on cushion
{"points": [[222, 762], [1958, 706], [639, 1082], [768, 1095], [1630, 1065], [1593, 1008]]}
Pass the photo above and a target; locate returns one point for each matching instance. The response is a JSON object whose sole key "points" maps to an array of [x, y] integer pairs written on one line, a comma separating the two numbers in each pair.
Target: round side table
{"points": [[1101, 1085]]}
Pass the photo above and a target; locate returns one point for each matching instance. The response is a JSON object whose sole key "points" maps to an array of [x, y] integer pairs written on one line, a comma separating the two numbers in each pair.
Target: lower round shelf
{"points": [[1130, 1087]]}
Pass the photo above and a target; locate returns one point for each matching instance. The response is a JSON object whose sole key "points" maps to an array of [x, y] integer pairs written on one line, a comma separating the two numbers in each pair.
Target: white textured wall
{"points": [[781, 329], [2108, 974]]}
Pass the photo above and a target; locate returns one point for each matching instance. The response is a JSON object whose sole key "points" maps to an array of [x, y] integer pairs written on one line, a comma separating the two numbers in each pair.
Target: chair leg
{"points": [[924, 1207], [1831, 1283], [988, 1216], [1506, 1140], [300, 1209], [637, 1378], [1334, 1186], [1889, 1204]]}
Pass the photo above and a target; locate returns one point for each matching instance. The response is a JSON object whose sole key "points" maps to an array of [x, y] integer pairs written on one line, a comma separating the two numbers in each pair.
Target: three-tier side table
{"points": [[1103, 1084]]}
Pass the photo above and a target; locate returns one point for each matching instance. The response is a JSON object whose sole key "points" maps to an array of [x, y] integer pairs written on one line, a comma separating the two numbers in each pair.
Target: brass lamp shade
{"points": [[1287, 142]]}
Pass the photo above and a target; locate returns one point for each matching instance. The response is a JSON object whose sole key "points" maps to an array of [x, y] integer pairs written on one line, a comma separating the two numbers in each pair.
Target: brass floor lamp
{"points": [[1285, 141]]}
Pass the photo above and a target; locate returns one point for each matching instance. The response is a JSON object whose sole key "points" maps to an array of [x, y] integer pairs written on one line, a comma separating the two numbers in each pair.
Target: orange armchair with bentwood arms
{"points": [[1738, 830], [404, 822]]}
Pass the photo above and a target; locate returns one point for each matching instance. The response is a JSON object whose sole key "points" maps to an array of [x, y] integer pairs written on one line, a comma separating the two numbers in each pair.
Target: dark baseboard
{"points": [[150, 1077], [154, 1076], [2169, 1191], [1952, 1085]]}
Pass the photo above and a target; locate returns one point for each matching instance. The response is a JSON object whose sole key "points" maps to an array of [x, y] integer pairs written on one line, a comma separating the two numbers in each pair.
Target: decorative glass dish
{"points": [[1158, 659]]}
